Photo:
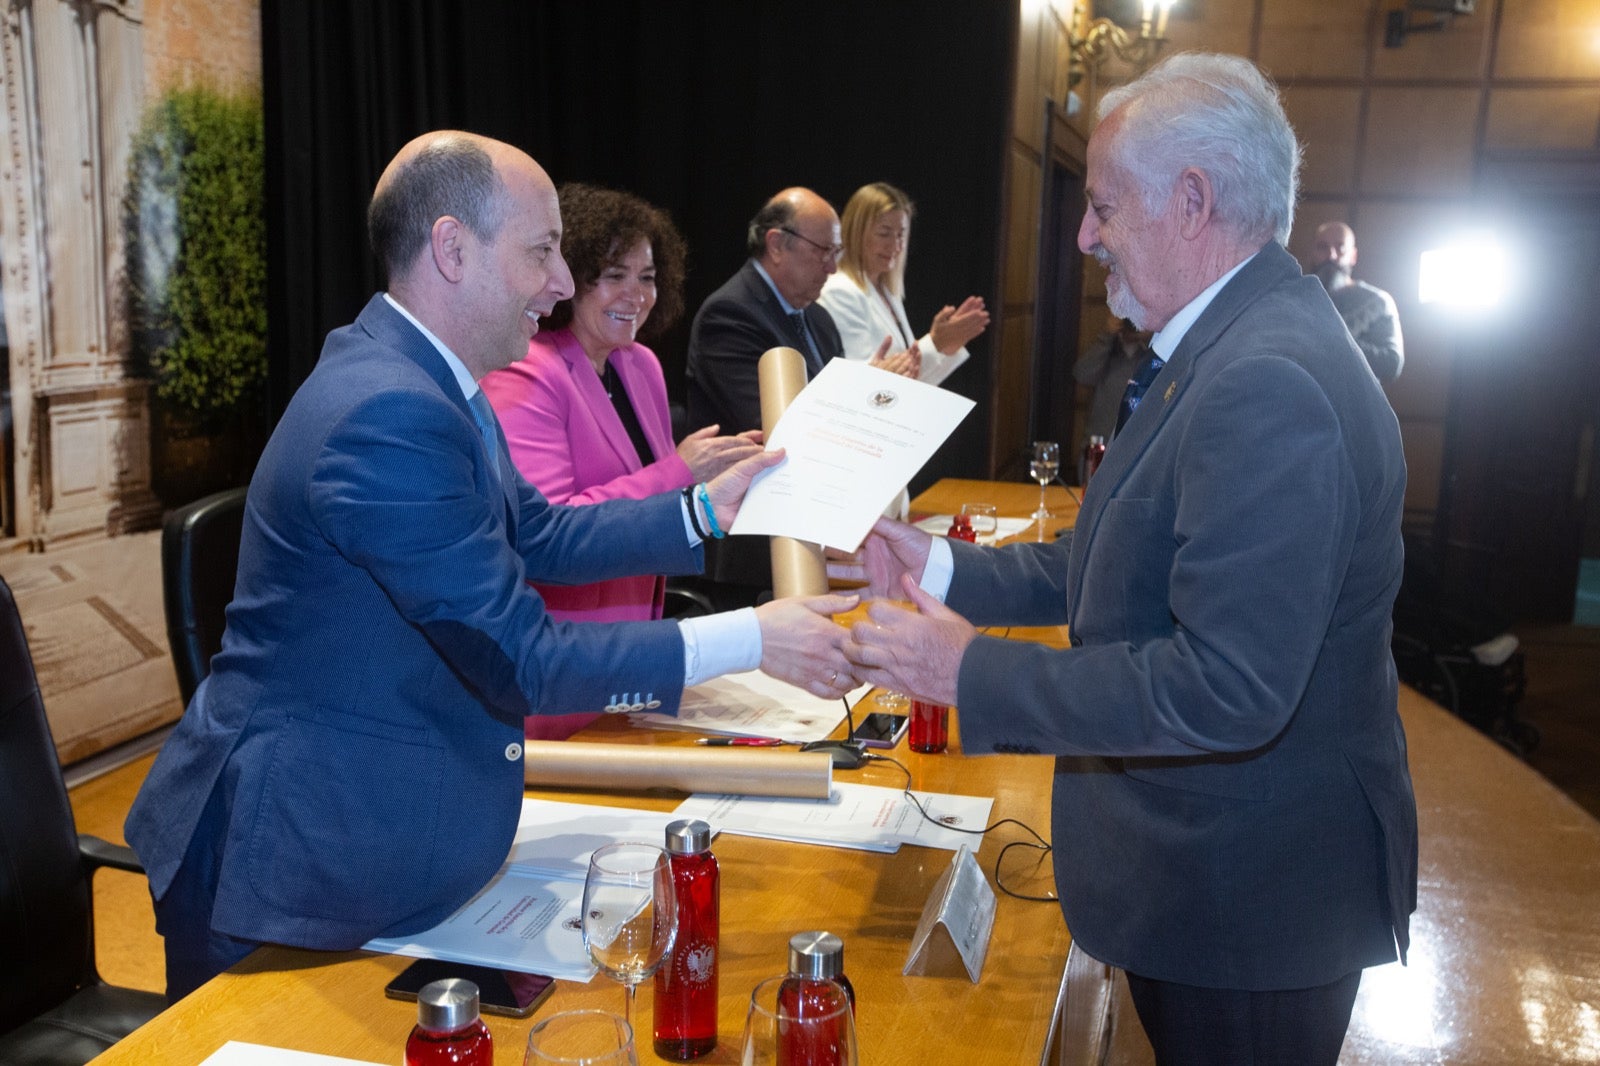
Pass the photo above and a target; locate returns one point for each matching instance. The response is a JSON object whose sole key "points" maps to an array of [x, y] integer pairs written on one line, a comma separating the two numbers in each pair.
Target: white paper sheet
{"points": [[864, 817], [529, 917], [755, 705], [855, 435], [520, 920], [237, 1053]]}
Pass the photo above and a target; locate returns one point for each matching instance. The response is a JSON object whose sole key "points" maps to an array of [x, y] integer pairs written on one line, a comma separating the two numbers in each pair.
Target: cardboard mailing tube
{"points": [[798, 568], [739, 771]]}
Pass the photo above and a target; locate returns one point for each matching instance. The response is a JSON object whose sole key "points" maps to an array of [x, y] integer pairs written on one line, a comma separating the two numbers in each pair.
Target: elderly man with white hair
{"points": [[1232, 817]]}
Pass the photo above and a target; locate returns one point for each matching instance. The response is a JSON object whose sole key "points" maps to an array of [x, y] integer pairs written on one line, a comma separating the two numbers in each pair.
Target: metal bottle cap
{"points": [[686, 837], [816, 954], [448, 1004]]}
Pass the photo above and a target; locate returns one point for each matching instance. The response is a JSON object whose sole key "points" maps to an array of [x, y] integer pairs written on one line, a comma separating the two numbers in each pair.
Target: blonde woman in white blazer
{"points": [[866, 298]]}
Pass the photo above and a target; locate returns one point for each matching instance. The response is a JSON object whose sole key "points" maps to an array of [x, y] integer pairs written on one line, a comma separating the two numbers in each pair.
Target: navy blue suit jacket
{"points": [[362, 724], [1232, 806]]}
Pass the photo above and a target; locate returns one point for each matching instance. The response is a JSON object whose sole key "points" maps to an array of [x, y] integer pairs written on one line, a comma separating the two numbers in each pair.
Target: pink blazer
{"points": [[567, 440]]}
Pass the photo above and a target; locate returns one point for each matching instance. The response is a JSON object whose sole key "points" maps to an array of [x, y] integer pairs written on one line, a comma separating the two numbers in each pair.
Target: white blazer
{"points": [[864, 319]]}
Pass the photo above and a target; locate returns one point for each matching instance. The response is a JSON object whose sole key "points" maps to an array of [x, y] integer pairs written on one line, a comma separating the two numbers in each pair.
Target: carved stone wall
{"points": [[72, 78]]}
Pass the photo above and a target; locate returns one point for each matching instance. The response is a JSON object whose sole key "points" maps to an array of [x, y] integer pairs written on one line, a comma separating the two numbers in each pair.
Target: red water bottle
{"points": [[686, 983], [1093, 452], [812, 990], [449, 1031]]}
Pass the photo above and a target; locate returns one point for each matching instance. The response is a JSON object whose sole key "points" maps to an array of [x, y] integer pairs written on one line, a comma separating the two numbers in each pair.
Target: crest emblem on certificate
{"points": [[883, 399]]}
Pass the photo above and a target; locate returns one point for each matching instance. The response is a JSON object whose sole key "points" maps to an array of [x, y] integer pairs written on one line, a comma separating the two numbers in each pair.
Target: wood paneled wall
{"points": [[1396, 141]]}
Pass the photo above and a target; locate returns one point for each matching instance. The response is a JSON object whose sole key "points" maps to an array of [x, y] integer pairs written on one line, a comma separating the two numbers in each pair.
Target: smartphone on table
{"points": [[506, 992], [881, 729]]}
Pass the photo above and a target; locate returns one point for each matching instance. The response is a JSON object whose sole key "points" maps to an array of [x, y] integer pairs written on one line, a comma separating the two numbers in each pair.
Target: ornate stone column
{"points": [[72, 72]]}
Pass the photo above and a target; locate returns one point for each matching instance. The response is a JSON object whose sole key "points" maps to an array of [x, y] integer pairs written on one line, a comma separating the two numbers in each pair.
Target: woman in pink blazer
{"points": [[585, 413]]}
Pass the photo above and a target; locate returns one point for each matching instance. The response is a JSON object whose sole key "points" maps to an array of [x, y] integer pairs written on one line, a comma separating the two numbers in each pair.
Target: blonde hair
{"points": [[870, 203]]}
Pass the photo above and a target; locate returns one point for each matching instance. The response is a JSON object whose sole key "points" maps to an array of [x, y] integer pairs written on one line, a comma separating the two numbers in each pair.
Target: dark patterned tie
{"points": [[483, 414], [1143, 375], [799, 320]]}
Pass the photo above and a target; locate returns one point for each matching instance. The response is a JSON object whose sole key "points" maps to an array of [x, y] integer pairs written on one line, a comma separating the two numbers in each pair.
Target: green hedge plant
{"points": [[196, 253]]}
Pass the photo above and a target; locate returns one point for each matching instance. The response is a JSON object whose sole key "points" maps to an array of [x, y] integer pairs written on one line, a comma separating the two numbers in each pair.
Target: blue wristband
{"points": [[711, 514]]}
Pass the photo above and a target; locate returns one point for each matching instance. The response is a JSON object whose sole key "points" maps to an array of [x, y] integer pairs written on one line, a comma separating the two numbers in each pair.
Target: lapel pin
{"points": [[1172, 387]]}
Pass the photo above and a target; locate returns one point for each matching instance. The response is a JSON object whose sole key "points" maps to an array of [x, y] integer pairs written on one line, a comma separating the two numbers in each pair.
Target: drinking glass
{"points": [[630, 913], [983, 519], [812, 1028], [1044, 466], [581, 1038]]}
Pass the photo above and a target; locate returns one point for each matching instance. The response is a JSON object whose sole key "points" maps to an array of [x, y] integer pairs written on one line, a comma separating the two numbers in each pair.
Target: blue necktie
{"points": [[1143, 375], [799, 320], [483, 414]]}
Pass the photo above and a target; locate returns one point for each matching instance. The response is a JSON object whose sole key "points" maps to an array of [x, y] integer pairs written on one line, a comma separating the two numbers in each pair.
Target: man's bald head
{"points": [[1335, 242], [447, 172], [795, 237]]}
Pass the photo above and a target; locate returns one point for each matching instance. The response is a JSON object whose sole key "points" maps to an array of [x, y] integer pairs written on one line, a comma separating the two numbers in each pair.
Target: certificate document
{"points": [[854, 436]]}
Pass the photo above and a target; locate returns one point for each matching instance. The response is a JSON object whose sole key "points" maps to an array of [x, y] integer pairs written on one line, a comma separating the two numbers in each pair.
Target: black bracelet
{"points": [[694, 514]]}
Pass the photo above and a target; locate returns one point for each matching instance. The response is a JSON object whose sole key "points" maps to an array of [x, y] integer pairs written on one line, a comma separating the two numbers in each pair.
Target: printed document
{"points": [[752, 704], [864, 817], [854, 436], [528, 918]]}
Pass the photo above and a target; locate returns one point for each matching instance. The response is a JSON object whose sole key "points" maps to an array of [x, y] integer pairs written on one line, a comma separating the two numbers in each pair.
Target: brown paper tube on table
{"points": [[798, 568], [737, 771]]}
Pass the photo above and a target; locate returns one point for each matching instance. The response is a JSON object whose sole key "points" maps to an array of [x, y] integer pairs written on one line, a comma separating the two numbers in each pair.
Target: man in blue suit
{"points": [[352, 767], [1232, 815]]}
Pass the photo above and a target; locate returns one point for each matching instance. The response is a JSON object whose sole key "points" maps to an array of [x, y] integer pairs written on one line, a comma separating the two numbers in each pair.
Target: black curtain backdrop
{"points": [[704, 108]]}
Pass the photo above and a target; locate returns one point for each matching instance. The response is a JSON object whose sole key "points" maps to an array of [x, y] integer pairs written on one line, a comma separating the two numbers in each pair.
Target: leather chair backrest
{"points": [[45, 934], [199, 562]]}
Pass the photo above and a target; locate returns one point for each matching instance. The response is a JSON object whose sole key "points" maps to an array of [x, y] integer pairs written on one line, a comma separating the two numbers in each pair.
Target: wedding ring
{"points": [[833, 678]]}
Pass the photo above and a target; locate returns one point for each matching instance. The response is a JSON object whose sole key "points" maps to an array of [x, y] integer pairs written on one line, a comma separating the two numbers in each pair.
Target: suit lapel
{"points": [[390, 328], [592, 391], [1266, 269]]}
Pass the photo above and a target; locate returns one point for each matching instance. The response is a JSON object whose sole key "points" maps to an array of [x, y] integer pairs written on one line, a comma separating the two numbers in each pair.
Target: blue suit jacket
{"points": [[362, 724], [1232, 806]]}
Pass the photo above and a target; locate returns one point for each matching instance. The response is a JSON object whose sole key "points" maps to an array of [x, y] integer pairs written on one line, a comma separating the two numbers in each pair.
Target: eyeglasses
{"points": [[829, 251]]}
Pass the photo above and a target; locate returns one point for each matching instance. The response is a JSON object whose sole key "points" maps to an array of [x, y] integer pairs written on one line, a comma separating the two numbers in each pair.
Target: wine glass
{"points": [[799, 1022], [581, 1038], [1044, 465], [630, 913]]}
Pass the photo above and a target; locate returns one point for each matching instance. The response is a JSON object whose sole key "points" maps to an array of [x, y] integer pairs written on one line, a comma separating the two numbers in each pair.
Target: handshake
{"points": [[889, 633]]}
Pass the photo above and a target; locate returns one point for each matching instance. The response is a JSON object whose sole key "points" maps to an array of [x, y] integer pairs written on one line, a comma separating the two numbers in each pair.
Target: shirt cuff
{"points": [[717, 644], [939, 569], [688, 522]]}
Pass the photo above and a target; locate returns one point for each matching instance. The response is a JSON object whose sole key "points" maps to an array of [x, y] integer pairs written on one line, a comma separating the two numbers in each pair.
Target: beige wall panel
{"points": [[1314, 39], [202, 42], [1549, 39], [1419, 141], [1212, 26], [1022, 238], [1012, 388], [1460, 50], [1423, 443], [1327, 122], [1563, 119], [1032, 65], [1422, 391]]}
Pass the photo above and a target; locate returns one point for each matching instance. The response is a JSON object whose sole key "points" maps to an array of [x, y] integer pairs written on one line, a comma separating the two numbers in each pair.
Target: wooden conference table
{"points": [[333, 1003]]}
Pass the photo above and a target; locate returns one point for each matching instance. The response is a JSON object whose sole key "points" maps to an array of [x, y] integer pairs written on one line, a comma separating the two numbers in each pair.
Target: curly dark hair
{"points": [[598, 227]]}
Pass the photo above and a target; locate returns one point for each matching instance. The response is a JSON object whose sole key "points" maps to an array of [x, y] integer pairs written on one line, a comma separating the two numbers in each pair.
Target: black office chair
{"points": [[54, 1008], [199, 561]]}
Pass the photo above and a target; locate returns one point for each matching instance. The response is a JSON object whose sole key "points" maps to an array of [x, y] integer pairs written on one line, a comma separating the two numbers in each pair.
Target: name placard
{"points": [[956, 922]]}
